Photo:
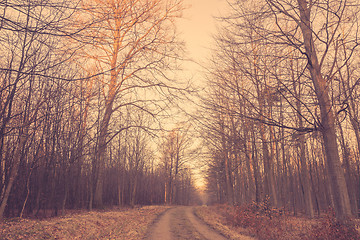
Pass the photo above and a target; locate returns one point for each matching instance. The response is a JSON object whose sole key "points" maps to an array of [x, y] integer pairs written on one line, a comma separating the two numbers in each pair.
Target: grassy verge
{"points": [[115, 224], [216, 218], [263, 223]]}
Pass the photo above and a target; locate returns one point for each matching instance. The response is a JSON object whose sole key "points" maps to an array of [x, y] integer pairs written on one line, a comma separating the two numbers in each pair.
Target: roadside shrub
{"points": [[264, 222], [329, 229]]}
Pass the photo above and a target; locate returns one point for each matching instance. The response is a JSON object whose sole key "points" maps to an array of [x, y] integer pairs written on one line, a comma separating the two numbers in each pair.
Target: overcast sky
{"points": [[198, 26]]}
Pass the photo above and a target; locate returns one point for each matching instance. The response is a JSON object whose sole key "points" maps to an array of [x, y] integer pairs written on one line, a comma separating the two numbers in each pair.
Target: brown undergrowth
{"points": [[215, 216], [115, 224], [265, 223]]}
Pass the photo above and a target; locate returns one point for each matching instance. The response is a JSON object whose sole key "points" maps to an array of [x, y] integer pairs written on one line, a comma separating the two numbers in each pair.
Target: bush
{"points": [[329, 228], [267, 223], [263, 221]]}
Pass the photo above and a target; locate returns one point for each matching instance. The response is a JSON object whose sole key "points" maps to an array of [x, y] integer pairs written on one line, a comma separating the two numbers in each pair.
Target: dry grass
{"points": [[234, 222], [117, 224], [217, 220]]}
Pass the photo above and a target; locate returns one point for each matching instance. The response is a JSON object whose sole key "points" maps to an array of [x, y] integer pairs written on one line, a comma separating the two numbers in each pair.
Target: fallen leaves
{"points": [[216, 220], [117, 224], [235, 222]]}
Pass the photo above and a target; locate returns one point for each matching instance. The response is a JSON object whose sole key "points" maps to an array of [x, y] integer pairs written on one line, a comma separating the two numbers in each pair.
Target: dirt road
{"points": [[181, 223]]}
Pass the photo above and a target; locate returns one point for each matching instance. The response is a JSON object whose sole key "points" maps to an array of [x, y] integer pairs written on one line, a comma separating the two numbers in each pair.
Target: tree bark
{"points": [[309, 206], [257, 176], [348, 172], [269, 181], [305, 176], [229, 186], [13, 173], [327, 128]]}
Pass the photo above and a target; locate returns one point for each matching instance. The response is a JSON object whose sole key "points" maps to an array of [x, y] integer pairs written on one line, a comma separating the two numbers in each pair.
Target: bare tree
{"points": [[286, 59], [31, 34], [175, 152], [134, 41]]}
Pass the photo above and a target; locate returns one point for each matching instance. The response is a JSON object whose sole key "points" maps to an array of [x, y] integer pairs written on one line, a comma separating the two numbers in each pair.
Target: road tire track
{"points": [[181, 223]]}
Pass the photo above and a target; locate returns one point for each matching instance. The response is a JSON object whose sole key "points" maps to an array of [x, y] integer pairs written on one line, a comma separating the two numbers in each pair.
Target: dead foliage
{"points": [[116, 224], [329, 228], [265, 223], [214, 216]]}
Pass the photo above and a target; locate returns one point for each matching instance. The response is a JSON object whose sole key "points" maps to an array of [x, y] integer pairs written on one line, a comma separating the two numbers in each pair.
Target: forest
{"points": [[85, 87], [281, 111], [88, 88]]}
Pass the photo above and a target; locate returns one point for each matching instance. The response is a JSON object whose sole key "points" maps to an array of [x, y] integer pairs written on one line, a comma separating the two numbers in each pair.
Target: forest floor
{"points": [[217, 219], [237, 222], [150, 222], [177, 222], [124, 223], [180, 223]]}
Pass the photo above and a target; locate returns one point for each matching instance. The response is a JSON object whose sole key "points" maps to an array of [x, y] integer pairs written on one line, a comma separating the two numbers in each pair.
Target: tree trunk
{"points": [[229, 186], [255, 162], [133, 191], [269, 182], [109, 102], [309, 206], [251, 184], [100, 158], [305, 176], [13, 174], [327, 128], [348, 175]]}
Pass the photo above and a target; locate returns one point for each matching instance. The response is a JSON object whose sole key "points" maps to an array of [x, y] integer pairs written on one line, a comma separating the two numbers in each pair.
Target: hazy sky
{"points": [[198, 25], [196, 28]]}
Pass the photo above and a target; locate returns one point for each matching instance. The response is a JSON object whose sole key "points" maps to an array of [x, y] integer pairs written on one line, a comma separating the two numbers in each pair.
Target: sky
{"points": [[197, 27]]}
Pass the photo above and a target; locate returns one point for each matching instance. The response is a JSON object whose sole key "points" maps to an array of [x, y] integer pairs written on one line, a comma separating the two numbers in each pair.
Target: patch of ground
{"points": [[118, 224], [275, 225], [182, 228], [216, 220], [180, 223]]}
